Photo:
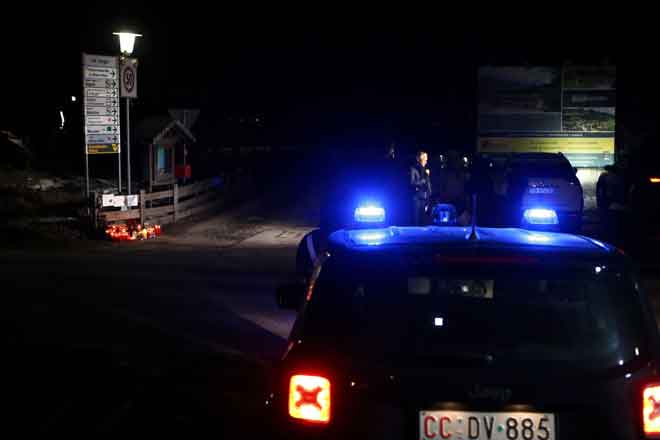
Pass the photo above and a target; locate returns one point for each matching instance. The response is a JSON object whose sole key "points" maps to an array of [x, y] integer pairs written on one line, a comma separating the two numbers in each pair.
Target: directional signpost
{"points": [[101, 94]]}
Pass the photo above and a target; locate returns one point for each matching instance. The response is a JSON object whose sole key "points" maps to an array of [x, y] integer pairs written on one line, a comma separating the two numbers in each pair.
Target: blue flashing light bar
{"points": [[370, 238], [369, 214], [538, 238], [541, 216]]}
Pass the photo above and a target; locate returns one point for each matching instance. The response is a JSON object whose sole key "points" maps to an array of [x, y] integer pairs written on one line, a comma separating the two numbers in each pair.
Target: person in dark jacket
{"points": [[420, 184]]}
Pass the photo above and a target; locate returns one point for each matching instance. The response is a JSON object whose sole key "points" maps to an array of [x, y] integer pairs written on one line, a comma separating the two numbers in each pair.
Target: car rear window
{"points": [[542, 168], [518, 316]]}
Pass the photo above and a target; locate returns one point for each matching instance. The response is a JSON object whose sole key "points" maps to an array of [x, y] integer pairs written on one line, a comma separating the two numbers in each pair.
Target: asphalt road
{"points": [[98, 332]]}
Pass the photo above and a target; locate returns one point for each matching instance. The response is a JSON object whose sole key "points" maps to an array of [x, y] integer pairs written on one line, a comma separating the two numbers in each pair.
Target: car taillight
{"points": [[654, 179], [309, 398], [651, 410]]}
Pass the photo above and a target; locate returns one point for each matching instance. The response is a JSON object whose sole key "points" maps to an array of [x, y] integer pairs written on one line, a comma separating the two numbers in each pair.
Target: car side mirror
{"points": [[575, 170], [290, 296], [609, 168]]}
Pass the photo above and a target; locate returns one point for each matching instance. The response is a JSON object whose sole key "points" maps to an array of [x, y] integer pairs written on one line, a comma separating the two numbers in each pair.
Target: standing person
{"points": [[453, 186], [420, 184]]}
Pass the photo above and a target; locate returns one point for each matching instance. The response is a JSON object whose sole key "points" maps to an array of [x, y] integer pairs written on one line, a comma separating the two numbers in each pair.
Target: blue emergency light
{"points": [[373, 237], [369, 214], [368, 237], [444, 214], [538, 238], [540, 216]]}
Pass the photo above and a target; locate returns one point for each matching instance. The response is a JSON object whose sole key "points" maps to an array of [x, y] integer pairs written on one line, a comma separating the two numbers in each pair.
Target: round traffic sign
{"points": [[128, 78]]}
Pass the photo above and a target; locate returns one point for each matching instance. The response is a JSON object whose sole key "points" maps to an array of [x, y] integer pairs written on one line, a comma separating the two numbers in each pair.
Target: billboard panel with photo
{"points": [[547, 108]]}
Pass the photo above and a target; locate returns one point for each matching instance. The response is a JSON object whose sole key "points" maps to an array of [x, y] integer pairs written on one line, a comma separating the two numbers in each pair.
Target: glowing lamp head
{"points": [[126, 42]]}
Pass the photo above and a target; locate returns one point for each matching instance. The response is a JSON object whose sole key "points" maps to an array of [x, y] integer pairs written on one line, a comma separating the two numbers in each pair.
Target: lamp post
{"points": [[126, 46]]}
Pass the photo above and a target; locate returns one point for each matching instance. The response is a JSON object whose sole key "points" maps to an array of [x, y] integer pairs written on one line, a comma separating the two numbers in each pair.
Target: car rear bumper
{"points": [[379, 422], [396, 423]]}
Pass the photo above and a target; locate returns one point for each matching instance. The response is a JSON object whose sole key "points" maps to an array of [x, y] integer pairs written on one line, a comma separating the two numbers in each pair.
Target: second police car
{"points": [[468, 333]]}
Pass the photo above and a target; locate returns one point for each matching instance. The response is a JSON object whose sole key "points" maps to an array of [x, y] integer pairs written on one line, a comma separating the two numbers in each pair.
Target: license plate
{"points": [[541, 190], [468, 425]]}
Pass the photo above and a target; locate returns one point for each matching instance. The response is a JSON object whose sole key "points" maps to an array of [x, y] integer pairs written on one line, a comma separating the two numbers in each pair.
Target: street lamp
{"points": [[126, 46], [126, 42]]}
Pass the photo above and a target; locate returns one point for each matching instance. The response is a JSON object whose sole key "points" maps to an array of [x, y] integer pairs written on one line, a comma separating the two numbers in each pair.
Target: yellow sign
{"points": [[566, 145], [103, 149]]}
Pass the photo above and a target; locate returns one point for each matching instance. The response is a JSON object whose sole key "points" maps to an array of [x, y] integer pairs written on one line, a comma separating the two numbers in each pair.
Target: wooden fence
{"points": [[168, 206]]}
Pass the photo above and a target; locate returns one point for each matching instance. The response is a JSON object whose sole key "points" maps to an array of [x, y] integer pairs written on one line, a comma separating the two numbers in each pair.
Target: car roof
{"points": [[525, 162], [528, 156], [546, 158], [538, 156], [458, 238]]}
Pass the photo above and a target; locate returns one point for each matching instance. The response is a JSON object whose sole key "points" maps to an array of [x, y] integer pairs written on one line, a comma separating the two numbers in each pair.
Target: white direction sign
{"points": [[97, 139], [101, 111], [102, 129], [99, 60], [100, 73], [97, 101], [101, 93], [101, 84], [102, 120]]}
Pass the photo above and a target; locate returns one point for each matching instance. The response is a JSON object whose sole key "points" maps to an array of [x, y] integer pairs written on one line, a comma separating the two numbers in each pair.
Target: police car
{"points": [[468, 333]]}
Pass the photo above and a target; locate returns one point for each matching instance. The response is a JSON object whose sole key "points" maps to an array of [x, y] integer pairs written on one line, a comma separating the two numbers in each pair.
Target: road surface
{"points": [[195, 306]]}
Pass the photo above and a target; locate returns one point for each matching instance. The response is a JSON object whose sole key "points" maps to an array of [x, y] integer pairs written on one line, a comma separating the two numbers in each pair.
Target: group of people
{"points": [[451, 188]]}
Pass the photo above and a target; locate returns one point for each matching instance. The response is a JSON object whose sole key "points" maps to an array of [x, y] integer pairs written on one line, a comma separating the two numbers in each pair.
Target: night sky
{"points": [[320, 78]]}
